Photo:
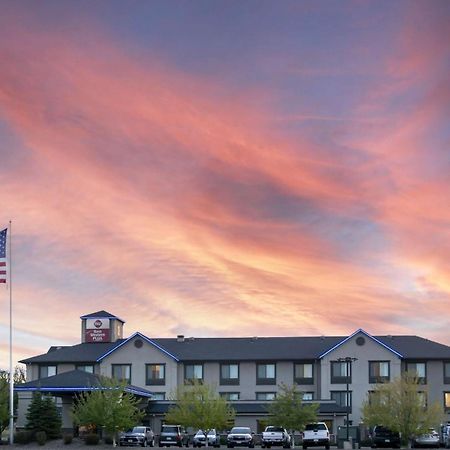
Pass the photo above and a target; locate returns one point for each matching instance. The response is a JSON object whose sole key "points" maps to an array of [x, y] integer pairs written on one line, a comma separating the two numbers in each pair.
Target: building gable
{"points": [[362, 332], [144, 339]]}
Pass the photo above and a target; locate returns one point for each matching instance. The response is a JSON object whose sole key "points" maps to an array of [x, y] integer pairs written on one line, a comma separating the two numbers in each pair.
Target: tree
{"points": [[43, 415], [19, 377], [288, 410], [200, 407], [401, 406], [108, 407]]}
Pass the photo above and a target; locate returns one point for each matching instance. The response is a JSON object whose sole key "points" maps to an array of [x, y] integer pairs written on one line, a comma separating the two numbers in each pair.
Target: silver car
{"points": [[200, 440], [430, 439], [140, 435]]}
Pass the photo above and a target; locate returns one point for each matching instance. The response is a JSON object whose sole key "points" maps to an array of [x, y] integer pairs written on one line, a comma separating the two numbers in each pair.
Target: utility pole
{"points": [[348, 365]]}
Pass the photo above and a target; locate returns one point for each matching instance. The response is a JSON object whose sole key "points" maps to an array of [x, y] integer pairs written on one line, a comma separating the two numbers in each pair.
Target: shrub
{"points": [[23, 437], [108, 439], [41, 437], [91, 439], [67, 438]]}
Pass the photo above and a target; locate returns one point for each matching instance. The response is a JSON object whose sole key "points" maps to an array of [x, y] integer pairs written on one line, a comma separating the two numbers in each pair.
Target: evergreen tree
{"points": [[34, 413], [51, 418], [43, 415]]}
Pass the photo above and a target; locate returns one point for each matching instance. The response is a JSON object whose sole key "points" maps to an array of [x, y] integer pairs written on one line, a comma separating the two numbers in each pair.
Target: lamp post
{"points": [[348, 364]]}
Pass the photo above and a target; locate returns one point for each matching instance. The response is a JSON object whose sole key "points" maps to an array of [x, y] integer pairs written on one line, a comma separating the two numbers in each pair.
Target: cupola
{"points": [[101, 326]]}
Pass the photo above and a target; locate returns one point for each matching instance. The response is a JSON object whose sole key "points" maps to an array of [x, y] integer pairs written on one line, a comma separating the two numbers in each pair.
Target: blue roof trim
{"points": [[366, 334], [81, 389], [143, 337]]}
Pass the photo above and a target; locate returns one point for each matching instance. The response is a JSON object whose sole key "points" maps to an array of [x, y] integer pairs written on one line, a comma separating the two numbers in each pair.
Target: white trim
{"points": [[366, 334]]}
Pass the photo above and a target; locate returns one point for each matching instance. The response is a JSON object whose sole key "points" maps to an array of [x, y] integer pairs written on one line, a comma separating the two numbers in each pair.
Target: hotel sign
{"points": [[98, 330]]}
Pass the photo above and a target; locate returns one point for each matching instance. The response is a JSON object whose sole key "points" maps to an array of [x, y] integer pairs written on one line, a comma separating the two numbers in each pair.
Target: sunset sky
{"points": [[225, 168]]}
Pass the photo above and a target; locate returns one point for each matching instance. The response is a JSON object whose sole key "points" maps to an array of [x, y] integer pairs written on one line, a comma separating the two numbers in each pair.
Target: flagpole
{"points": [[11, 373]]}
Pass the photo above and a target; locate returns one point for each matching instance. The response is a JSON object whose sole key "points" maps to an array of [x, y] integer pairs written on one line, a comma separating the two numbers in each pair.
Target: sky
{"points": [[225, 168]]}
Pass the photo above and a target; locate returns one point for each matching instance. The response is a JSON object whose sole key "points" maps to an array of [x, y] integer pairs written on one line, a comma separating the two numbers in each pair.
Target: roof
{"points": [[71, 382], [79, 353], [244, 349], [361, 331], [101, 315], [249, 407], [416, 347], [248, 348]]}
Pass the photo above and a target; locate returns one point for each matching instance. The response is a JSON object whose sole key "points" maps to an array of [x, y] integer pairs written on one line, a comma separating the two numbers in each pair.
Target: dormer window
{"points": [[47, 371]]}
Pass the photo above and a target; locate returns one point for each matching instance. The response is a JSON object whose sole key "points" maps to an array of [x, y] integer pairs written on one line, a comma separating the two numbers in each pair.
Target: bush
{"points": [[23, 437], [108, 439], [91, 439], [41, 437], [67, 438]]}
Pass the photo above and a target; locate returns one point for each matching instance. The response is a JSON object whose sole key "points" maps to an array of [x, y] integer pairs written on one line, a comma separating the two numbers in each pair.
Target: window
{"points": [[47, 371], [308, 395], [230, 396], [447, 401], [379, 371], [377, 397], [155, 374], [229, 374], [341, 398], [122, 372], [265, 396], [159, 396], [304, 373], [423, 398], [193, 372], [446, 372], [85, 367], [339, 372], [419, 369], [266, 374]]}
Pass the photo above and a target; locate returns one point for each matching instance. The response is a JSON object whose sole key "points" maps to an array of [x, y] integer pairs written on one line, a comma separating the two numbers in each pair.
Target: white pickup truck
{"points": [[275, 436], [315, 435]]}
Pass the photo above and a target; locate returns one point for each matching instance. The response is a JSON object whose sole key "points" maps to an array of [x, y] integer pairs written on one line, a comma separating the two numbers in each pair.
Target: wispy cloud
{"points": [[133, 189]]}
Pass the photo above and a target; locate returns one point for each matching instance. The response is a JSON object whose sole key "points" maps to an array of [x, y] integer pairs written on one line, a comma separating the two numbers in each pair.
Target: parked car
{"points": [[445, 435], [173, 435], [275, 436], [240, 436], [200, 440], [430, 439], [315, 435], [384, 437], [139, 435]]}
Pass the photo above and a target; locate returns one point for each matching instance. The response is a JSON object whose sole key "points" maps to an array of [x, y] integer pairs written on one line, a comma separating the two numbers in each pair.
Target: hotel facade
{"points": [[337, 372]]}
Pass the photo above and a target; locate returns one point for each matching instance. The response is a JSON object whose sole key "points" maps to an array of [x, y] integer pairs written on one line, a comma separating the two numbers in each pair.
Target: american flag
{"points": [[3, 255]]}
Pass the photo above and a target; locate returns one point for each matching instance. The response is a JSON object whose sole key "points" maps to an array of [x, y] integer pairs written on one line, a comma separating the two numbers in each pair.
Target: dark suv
{"points": [[173, 435], [384, 437]]}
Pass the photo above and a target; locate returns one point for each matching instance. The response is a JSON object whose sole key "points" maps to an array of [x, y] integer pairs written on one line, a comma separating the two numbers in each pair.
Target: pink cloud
{"points": [[119, 191]]}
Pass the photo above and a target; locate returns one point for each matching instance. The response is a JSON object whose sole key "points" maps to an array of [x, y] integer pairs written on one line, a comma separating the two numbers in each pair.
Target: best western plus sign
{"points": [[98, 330]]}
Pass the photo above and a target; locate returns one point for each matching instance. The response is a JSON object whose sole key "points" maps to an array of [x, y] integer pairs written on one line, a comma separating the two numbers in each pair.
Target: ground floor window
{"points": [[447, 401], [230, 396], [265, 396]]}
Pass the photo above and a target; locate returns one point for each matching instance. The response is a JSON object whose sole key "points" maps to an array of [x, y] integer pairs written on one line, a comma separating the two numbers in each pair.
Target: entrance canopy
{"points": [[73, 382]]}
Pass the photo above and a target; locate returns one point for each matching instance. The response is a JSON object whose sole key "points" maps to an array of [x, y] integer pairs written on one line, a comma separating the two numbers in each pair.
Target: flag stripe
{"points": [[3, 255]]}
